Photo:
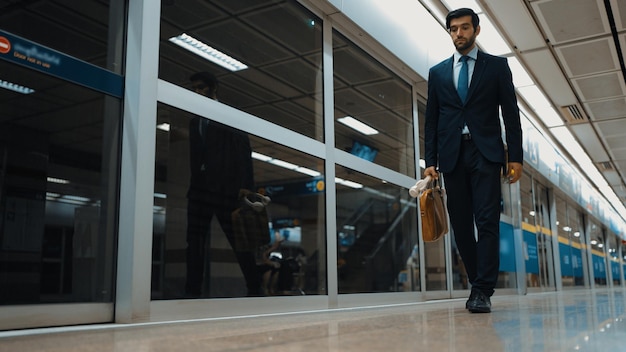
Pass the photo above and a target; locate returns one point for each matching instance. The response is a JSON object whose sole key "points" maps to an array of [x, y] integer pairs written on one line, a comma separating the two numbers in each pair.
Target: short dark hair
{"points": [[206, 78], [462, 12]]}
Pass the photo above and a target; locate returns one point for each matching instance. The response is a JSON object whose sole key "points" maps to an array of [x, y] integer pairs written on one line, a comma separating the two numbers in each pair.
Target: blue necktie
{"points": [[462, 84]]}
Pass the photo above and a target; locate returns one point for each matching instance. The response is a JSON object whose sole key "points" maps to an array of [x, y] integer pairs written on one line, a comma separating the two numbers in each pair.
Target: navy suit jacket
{"points": [[491, 88]]}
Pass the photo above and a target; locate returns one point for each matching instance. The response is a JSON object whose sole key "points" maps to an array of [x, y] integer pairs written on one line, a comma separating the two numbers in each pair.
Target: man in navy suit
{"points": [[463, 141], [221, 165]]}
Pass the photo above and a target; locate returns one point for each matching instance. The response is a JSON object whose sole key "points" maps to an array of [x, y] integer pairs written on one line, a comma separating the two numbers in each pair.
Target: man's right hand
{"points": [[432, 172]]}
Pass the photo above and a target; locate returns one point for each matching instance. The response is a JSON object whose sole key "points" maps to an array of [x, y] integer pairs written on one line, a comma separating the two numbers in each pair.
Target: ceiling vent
{"points": [[606, 166], [574, 114]]}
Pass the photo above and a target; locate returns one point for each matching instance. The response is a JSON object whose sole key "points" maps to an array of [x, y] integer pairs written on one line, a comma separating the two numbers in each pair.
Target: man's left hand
{"points": [[515, 172]]}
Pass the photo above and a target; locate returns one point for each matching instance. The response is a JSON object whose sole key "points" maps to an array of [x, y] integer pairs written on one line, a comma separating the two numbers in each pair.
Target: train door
{"points": [[612, 256], [598, 257], [537, 241], [571, 240], [544, 235]]}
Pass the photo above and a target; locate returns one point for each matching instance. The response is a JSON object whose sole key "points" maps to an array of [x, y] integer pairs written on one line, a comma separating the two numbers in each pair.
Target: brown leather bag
{"points": [[250, 222], [434, 213]]}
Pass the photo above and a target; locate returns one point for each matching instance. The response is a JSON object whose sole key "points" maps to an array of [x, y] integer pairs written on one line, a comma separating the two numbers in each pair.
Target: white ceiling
{"points": [[574, 50]]}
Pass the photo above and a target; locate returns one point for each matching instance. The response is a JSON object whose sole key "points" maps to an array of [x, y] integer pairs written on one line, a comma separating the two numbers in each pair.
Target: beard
{"points": [[464, 45]]}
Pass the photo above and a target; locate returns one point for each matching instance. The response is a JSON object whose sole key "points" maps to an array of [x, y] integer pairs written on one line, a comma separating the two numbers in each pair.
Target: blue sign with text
{"points": [[41, 58]]}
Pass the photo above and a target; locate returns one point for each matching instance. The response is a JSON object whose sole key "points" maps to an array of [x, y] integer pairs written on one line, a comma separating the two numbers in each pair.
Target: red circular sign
{"points": [[5, 45]]}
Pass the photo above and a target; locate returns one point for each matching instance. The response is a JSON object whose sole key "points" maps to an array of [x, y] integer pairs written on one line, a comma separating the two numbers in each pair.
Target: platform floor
{"points": [[580, 320]]}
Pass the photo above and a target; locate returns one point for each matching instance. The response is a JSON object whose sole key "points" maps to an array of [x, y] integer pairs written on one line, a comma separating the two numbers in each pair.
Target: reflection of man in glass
{"points": [[221, 165]]}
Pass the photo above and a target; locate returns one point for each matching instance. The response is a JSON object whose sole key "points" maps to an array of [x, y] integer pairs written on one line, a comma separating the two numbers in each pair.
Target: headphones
{"points": [[259, 205]]}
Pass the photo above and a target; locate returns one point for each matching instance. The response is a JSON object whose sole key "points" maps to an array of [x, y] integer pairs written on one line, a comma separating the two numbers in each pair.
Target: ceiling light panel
{"points": [[206, 51]]}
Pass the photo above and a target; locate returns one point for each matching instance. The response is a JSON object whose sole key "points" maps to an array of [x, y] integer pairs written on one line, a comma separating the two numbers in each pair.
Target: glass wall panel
{"points": [[508, 270], [435, 270], [59, 153], [90, 30], [613, 258], [278, 41], [544, 236], [580, 269], [373, 109], [208, 240], [571, 243], [564, 242], [377, 235], [506, 205], [598, 257], [623, 257], [529, 231]]}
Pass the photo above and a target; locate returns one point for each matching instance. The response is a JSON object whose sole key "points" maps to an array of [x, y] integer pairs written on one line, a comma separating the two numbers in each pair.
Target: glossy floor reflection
{"points": [[566, 321]]}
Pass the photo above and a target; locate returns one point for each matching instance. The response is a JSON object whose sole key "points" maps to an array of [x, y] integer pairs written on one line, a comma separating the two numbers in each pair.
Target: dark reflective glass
{"points": [[59, 151], [368, 93], [90, 30], [234, 214], [376, 234], [279, 41]]}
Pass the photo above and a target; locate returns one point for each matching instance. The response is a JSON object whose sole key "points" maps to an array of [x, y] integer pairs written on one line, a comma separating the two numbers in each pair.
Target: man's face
{"points": [[463, 33], [200, 87]]}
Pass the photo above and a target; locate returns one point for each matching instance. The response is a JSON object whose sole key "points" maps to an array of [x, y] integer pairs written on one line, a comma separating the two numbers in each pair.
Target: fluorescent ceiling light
{"points": [[534, 97], [75, 198], [541, 105], [569, 143], [490, 39], [347, 183], [435, 10], [203, 50], [549, 116], [57, 180], [284, 164], [306, 171], [261, 157], [164, 127], [16, 87], [357, 125], [520, 76], [457, 4]]}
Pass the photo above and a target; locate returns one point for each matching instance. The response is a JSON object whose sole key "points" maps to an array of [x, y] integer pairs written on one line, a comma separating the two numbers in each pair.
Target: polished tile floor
{"points": [[581, 320]]}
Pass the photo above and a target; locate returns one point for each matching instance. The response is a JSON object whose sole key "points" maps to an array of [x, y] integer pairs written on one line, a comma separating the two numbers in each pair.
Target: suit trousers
{"points": [[199, 216], [474, 191]]}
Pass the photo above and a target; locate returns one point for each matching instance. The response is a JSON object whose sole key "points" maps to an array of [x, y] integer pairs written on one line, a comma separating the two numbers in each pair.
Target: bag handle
{"points": [[258, 205]]}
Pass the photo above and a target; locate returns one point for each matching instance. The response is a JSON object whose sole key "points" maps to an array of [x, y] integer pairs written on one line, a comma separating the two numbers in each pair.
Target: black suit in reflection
{"points": [[221, 165]]}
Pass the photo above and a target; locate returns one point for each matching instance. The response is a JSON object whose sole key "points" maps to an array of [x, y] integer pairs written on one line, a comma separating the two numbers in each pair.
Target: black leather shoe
{"points": [[479, 302], [471, 298]]}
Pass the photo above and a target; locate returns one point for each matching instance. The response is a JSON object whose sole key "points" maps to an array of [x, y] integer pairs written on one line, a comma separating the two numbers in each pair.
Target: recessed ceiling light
{"points": [[16, 87], [164, 127], [201, 49], [358, 125]]}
